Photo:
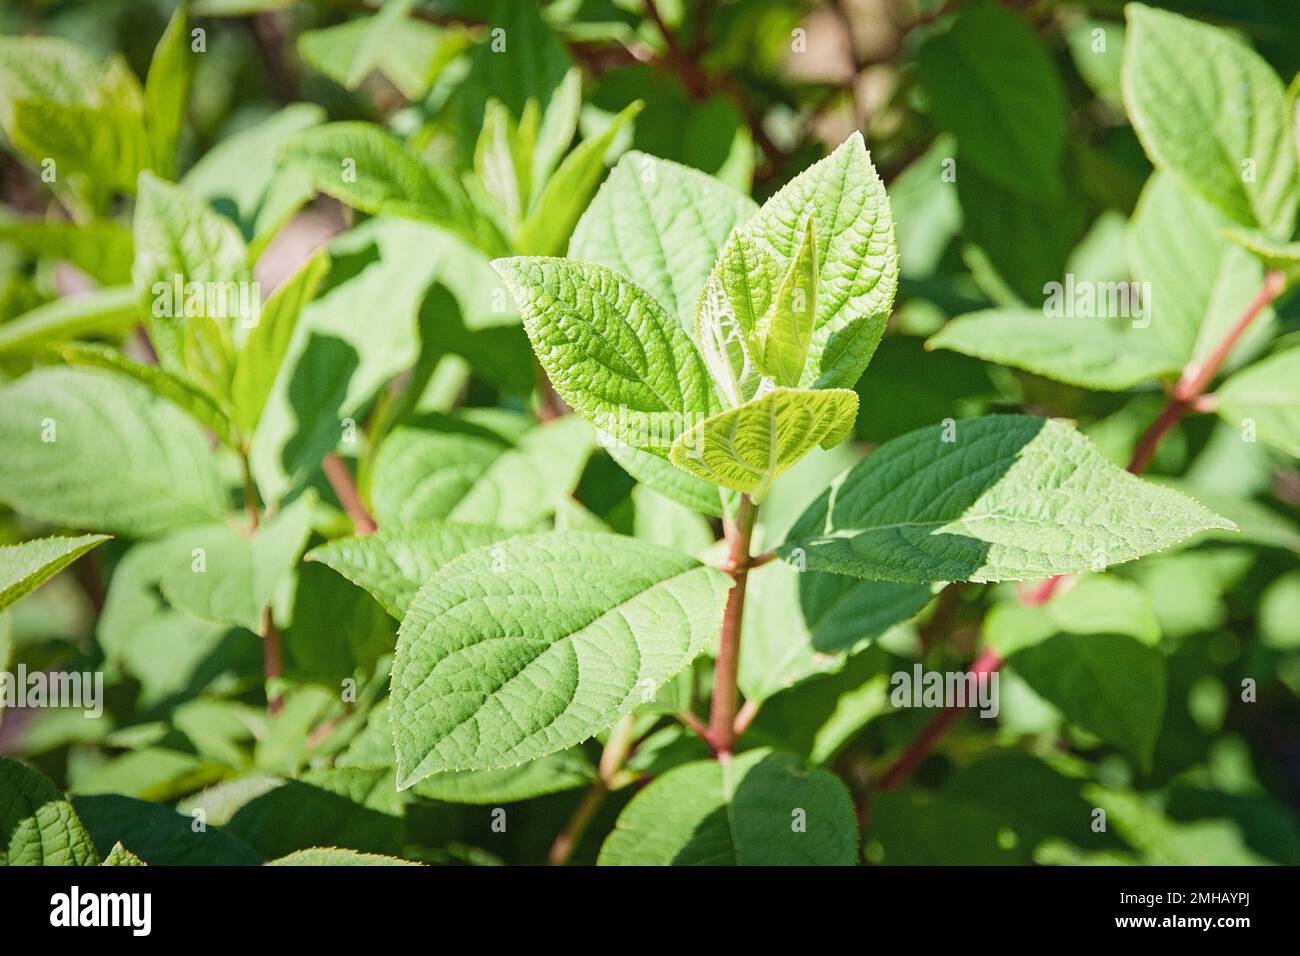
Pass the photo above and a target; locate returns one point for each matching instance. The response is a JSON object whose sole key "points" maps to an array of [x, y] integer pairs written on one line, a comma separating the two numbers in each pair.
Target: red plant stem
{"points": [[271, 660], [726, 691], [345, 489], [920, 748], [1186, 396]]}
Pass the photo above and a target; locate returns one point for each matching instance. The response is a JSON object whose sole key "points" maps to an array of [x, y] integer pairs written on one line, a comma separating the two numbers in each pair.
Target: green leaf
{"points": [[1266, 396], [100, 248], [780, 338], [1282, 256], [239, 176], [1004, 497], [45, 68], [39, 827], [553, 773], [611, 351], [121, 856], [159, 836], [89, 449], [107, 145], [516, 651], [747, 447], [653, 471], [333, 856], [503, 157], [263, 352], [547, 228], [103, 311], [367, 168], [761, 808], [662, 225], [856, 252], [451, 468], [180, 239], [1095, 604], [395, 562], [1198, 282], [1221, 128], [175, 389], [1109, 684], [798, 625], [25, 567], [1099, 353], [991, 83], [166, 92], [229, 578]]}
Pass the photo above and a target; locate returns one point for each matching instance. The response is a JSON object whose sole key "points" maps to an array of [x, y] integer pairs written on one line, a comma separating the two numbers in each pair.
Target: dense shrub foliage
{"points": [[639, 433]]}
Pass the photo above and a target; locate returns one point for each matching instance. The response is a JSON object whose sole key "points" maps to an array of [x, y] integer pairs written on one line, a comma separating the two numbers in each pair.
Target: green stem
{"points": [[612, 758]]}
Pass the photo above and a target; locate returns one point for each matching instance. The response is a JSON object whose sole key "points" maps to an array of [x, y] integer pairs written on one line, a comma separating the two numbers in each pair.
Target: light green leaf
{"points": [[333, 856], [1109, 684], [395, 562], [1266, 396], [370, 169], [662, 225], [180, 239], [1221, 128], [45, 68], [1004, 497], [103, 311], [453, 469], [547, 228], [611, 351], [229, 578], [175, 389], [798, 625], [553, 773], [262, 353], [741, 812], [89, 449], [747, 447], [1282, 256], [516, 651], [695, 493], [991, 83], [166, 92], [25, 567], [121, 856], [100, 248], [1094, 604], [780, 338], [107, 145], [239, 176], [503, 157], [856, 252], [40, 827], [1100, 353], [1197, 282]]}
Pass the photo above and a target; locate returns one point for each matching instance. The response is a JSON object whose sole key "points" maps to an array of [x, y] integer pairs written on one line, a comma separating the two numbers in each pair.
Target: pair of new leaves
{"points": [[757, 366]]}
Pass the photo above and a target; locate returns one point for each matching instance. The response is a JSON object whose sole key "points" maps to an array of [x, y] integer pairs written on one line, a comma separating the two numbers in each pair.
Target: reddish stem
{"points": [[726, 690], [345, 489]]}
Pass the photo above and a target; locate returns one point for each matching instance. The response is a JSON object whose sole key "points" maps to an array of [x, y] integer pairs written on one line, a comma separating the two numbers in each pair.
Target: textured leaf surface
{"points": [[1011, 498], [121, 856], [856, 253], [661, 224], [1266, 394], [166, 92], [744, 812], [1108, 355], [611, 351], [38, 827], [121, 459], [452, 469], [25, 567], [394, 563], [1203, 124], [513, 652], [747, 447], [553, 773], [695, 493], [333, 856]]}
